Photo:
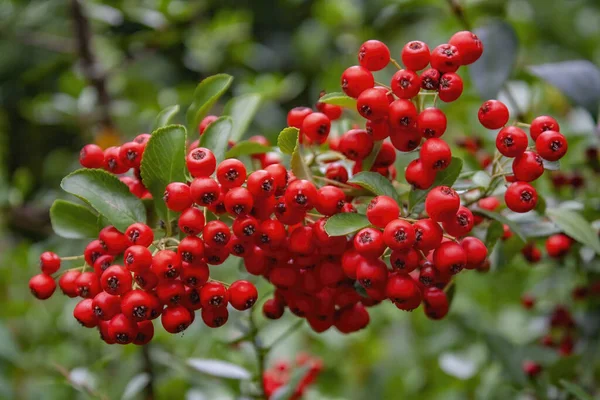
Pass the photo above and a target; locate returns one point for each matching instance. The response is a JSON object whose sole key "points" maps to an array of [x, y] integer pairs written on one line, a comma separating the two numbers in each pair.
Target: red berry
{"points": [[330, 200], [415, 55], [406, 84], [403, 292], [551, 145], [49, 262], [145, 333], [528, 166], [205, 191], [531, 368], [475, 250], [296, 116], [166, 264], [272, 233], [436, 303], [316, 126], [542, 124], [42, 286], [449, 257], [273, 309], [88, 285], [170, 291], [194, 275], [231, 173], [520, 197], [138, 305], [130, 154], [245, 227], [93, 251], [450, 87], [369, 242], [442, 203], [332, 111], [91, 156], [176, 319], [146, 280], [352, 318], [67, 282], [137, 258], [214, 295], [460, 224], [435, 154], [140, 234], [493, 114], [242, 295], [261, 184], [511, 141], [201, 162], [374, 55], [337, 172], [301, 194], [428, 234], [468, 45], [382, 210], [177, 196], [106, 306], [206, 121], [356, 79], [215, 317], [113, 241], [116, 280], [191, 250], [431, 123], [371, 273], [356, 144], [112, 162], [399, 235], [405, 260], [430, 79], [403, 114], [191, 221], [445, 58], [418, 176], [238, 201], [378, 129], [84, 313], [373, 104], [558, 245]]}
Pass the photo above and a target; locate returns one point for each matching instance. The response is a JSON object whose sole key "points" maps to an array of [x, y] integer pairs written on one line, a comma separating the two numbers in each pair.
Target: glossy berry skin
{"points": [[145, 333], [356, 79], [231, 173], [406, 84], [316, 126], [113, 241], [206, 121], [332, 111], [405, 260], [542, 124], [521, 197], [130, 154], [191, 221], [191, 250], [371, 273], [242, 295], [449, 257], [106, 306], [511, 141], [382, 210], [296, 116], [399, 235], [87, 285], [140, 234], [176, 319], [238, 201], [435, 154], [214, 295], [415, 55], [170, 291], [450, 87], [49, 262], [205, 191], [91, 156], [67, 283], [431, 123], [386, 156], [356, 144], [112, 161], [138, 305], [558, 245], [468, 45], [460, 224], [493, 114], [201, 162], [261, 184], [273, 309], [374, 55], [405, 139], [475, 250], [216, 234], [215, 317], [430, 79], [418, 175], [402, 114], [445, 58], [84, 313], [116, 280], [301, 194], [194, 275], [245, 227], [177, 196], [337, 172], [42, 286], [373, 104], [428, 234], [369, 242], [330, 200], [442, 203], [403, 292], [551, 145], [137, 258], [378, 129], [272, 234], [166, 264], [436, 303], [528, 166]]}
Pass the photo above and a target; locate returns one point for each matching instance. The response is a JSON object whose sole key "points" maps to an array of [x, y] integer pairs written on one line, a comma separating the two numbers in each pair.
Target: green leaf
{"points": [[500, 218], [219, 368], [482, 179], [216, 137], [286, 392], [574, 225], [107, 195], [73, 221], [165, 116], [246, 148], [450, 292], [205, 96], [135, 386], [345, 223], [447, 177], [496, 64], [575, 390], [551, 165], [375, 183], [509, 356], [506, 250], [339, 99], [242, 109], [287, 139], [579, 80], [370, 159], [494, 232], [540, 207], [163, 162]]}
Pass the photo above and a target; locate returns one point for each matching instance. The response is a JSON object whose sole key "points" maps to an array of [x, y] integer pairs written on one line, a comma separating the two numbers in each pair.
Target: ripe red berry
{"points": [[511, 141], [403, 292], [301, 194], [558, 245], [106, 306], [449, 257], [242, 295], [140, 234], [170, 291], [231, 173], [442, 203], [405, 260], [431, 123], [93, 251], [194, 275], [445, 58], [531, 368], [356, 144], [191, 221], [166, 264], [138, 305], [430, 79], [261, 184], [337, 172], [137, 258], [205, 191], [373, 104], [468, 45], [245, 227], [201, 162], [214, 295], [191, 250], [216, 234], [238, 201], [330, 200], [206, 121], [551, 145], [450, 87], [296, 116], [399, 235], [356, 79], [475, 250], [177, 196], [67, 283], [403, 114], [145, 333], [374, 55], [272, 234], [418, 175], [316, 126], [371, 273], [273, 309], [542, 124], [460, 224], [130, 154], [84, 313], [176, 319], [215, 317], [91, 156], [528, 166], [382, 210], [332, 111], [116, 280], [87, 285], [112, 161], [42, 286], [369, 242], [435, 154], [493, 114], [520, 197], [428, 234], [49, 262], [415, 55], [406, 84], [436, 303], [113, 241], [378, 129]]}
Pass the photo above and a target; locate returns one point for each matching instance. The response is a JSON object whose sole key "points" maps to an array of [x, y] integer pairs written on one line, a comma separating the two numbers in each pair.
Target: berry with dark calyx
{"points": [[215, 317], [402, 290], [372, 104], [191, 221], [91, 156], [330, 200], [242, 295], [280, 176], [450, 87], [316, 126], [558, 245], [436, 303], [356, 79], [431, 123], [405, 260], [356, 144], [369, 242], [138, 305], [106, 306], [475, 250], [415, 55], [442, 203], [511, 141], [87, 285], [67, 283], [445, 58], [146, 280], [130, 154], [428, 234], [42, 286], [116, 280], [191, 250], [261, 184], [166, 264], [273, 309], [528, 166], [373, 55], [449, 257], [296, 116], [521, 197], [176, 319], [371, 273], [337, 172], [137, 258], [214, 295], [205, 191], [493, 114], [177, 196], [406, 84], [245, 227], [145, 333], [418, 175], [170, 291], [84, 313], [194, 275], [271, 234], [238, 201], [139, 234], [430, 79], [435, 154], [382, 210], [551, 145], [460, 224], [542, 124], [231, 173], [378, 129], [468, 45], [301, 194], [386, 156], [399, 235], [112, 161], [201, 162], [49, 262], [403, 114]]}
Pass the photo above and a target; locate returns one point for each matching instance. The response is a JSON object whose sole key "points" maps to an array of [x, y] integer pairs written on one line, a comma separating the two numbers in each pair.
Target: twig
{"points": [[149, 389], [85, 387], [259, 350], [459, 13], [292, 328]]}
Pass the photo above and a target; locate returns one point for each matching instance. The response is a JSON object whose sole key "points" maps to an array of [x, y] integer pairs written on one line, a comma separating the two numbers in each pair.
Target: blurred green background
{"points": [[75, 72]]}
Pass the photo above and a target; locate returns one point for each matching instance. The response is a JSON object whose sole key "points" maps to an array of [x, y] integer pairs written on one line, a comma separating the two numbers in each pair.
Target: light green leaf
{"points": [[247, 148], [165, 116], [575, 390], [447, 177], [135, 386], [163, 162], [370, 159], [205, 96], [574, 225], [107, 195], [375, 183], [339, 99], [287, 139], [216, 137], [73, 221], [218, 368], [500, 218], [242, 109], [345, 223], [494, 232]]}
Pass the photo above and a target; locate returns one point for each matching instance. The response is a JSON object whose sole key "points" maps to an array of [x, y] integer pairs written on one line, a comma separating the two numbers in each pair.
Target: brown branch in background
{"points": [[459, 13], [149, 389], [90, 67], [48, 42]]}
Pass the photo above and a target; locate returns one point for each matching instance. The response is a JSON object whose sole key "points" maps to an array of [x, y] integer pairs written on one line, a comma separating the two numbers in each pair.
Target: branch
{"points": [[149, 389], [459, 13]]}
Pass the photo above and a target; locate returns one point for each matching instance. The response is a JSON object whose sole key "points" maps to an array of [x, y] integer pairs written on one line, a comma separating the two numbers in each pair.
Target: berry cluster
{"points": [[279, 375]]}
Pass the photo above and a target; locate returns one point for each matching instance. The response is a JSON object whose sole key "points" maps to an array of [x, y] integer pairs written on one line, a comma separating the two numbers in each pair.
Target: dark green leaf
{"points": [[496, 64], [500, 218], [375, 183], [73, 221], [540, 207], [574, 225], [163, 162], [287, 140], [242, 109], [165, 116], [287, 391], [447, 177], [339, 99], [370, 160], [205, 96], [508, 354], [345, 223], [218, 368], [579, 80], [107, 195], [575, 390], [506, 250], [450, 292], [493, 234], [246, 148], [216, 137]]}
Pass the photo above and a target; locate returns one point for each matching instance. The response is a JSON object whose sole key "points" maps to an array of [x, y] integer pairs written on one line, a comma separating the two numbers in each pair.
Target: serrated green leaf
{"points": [[339, 99], [494, 232], [242, 110], [165, 116], [216, 137], [447, 177], [375, 183], [287, 139], [163, 162], [298, 165], [500, 218], [574, 225], [370, 159], [73, 221], [205, 96], [575, 390], [345, 223], [107, 195], [246, 148]]}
